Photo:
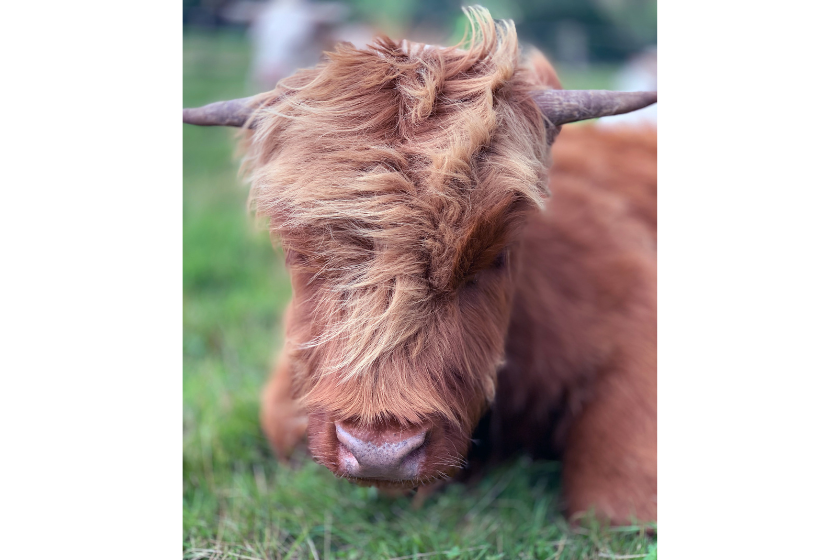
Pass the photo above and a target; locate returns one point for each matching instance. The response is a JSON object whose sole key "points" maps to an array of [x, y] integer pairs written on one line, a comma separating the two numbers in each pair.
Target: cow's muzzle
{"points": [[389, 453]]}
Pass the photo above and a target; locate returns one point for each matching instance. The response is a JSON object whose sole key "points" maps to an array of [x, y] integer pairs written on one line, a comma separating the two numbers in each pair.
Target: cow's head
{"points": [[396, 178]]}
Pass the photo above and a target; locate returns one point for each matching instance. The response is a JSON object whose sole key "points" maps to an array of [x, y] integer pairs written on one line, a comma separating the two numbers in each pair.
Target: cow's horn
{"points": [[562, 106], [222, 113]]}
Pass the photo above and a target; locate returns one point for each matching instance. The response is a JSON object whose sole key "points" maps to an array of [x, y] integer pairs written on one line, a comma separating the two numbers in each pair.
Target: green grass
{"points": [[241, 503]]}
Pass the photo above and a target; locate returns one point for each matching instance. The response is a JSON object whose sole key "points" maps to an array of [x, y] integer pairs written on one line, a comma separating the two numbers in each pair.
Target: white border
{"points": [[90, 222]]}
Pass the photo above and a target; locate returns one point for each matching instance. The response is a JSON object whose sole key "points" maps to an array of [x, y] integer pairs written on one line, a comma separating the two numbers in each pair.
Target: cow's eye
{"points": [[501, 259], [498, 263]]}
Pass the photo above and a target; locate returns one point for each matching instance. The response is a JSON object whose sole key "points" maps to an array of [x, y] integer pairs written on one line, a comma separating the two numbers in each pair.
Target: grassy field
{"points": [[238, 502]]}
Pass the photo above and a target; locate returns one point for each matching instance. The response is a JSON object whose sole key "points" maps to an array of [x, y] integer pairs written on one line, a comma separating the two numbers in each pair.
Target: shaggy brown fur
{"points": [[405, 184]]}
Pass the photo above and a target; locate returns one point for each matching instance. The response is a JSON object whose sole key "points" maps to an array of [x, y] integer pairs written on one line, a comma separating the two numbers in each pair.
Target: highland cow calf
{"points": [[442, 275]]}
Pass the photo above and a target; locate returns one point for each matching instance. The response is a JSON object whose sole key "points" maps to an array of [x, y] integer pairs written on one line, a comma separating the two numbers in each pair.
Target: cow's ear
{"points": [[543, 70]]}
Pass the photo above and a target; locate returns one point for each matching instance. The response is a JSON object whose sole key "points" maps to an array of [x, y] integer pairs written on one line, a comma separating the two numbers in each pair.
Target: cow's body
{"points": [[580, 374], [579, 382]]}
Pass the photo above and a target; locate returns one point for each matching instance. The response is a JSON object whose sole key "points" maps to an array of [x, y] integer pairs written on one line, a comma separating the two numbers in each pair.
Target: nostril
{"points": [[381, 449], [390, 455]]}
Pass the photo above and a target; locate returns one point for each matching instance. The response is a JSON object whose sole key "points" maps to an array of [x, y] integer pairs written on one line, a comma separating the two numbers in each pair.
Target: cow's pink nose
{"points": [[382, 454]]}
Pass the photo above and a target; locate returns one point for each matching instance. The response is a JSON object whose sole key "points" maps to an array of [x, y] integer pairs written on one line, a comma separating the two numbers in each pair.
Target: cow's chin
{"points": [[389, 457]]}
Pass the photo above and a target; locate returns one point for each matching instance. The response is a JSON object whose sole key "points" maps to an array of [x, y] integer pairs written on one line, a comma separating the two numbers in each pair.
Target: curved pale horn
{"points": [[562, 106], [222, 113]]}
